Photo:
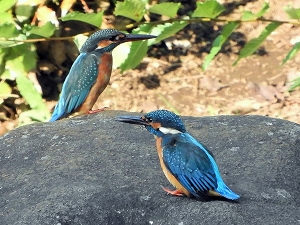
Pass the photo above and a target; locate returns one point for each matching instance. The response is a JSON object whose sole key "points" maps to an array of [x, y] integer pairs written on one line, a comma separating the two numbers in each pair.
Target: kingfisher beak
{"points": [[132, 119], [137, 37]]}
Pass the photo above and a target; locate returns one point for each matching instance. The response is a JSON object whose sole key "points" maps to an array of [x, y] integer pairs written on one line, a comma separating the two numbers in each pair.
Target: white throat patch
{"points": [[169, 130]]}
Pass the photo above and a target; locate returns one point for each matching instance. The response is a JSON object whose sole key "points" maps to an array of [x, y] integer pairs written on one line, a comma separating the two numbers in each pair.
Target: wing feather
{"points": [[190, 164], [77, 85]]}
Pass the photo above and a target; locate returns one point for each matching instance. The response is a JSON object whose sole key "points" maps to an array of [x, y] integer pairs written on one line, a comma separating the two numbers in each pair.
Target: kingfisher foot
{"points": [[97, 110], [176, 192]]}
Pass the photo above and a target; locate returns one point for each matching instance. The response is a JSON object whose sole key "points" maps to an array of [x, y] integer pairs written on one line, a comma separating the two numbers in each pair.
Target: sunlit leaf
{"points": [[29, 93], [133, 9], [138, 51], [6, 43], [6, 17], [251, 46], [218, 43], [166, 30], [45, 31], [293, 13], [79, 40], [292, 53], [91, 18], [166, 8], [23, 12], [296, 83], [209, 9], [5, 89], [8, 30], [247, 15], [6, 5]]}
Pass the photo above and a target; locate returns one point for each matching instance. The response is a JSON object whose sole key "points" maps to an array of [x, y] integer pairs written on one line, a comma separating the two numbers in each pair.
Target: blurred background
{"points": [[171, 76]]}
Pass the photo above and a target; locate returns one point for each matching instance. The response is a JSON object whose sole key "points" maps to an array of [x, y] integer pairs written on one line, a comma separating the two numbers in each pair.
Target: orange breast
{"points": [[104, 73], [169, 176]]}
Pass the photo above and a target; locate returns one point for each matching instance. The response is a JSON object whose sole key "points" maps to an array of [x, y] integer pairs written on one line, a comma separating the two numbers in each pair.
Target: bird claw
{"points": [[176, 192], [96, 110]]}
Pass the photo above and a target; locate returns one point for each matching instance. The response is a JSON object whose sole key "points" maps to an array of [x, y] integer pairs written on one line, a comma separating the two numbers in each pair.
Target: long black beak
{"points": [[138, 37], [132, 119]]}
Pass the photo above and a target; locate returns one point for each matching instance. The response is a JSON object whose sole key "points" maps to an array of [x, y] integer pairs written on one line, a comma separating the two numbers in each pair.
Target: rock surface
{"points": [[94, 170]]}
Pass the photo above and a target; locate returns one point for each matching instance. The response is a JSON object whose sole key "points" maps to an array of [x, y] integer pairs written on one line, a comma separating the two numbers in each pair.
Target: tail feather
{"points": [[227, 193]]}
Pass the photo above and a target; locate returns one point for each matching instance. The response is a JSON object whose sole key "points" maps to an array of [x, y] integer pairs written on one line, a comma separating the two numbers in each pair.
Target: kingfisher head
{"points": [[158, 122], [108, 39]]}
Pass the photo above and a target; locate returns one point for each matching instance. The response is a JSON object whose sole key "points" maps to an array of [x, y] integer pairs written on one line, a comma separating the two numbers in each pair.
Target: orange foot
{"points": [[176, 192], [97, 110]]}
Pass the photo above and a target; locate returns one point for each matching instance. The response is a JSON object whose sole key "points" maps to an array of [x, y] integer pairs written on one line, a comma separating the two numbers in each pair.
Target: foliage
{"points": [[18, 30]]}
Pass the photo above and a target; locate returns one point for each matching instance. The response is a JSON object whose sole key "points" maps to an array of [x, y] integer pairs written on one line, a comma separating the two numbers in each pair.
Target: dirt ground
{"points": [[171, 76]]}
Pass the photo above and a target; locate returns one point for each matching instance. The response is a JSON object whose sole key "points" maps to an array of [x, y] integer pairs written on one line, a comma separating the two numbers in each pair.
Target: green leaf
{"points": [[46, 30], [6, 17], [5, 90], [79, 40], [6, 5], [254, 44], [251, 16], [166, 8], [138, 51], [17, 62], [296, 83], [24, 12], [8, 30], [29, 93], [292, 53], [133, 9], [91, 18], [218, 43], [166, 30], [6, 43], [209, 9], [293, 13]]}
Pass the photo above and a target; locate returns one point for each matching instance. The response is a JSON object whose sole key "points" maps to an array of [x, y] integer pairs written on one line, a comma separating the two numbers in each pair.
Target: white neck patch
{"points": [[169, 130]]}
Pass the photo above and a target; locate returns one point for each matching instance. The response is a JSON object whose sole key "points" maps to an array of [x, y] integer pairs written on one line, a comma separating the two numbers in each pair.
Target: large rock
{"points": [[94, 170]]}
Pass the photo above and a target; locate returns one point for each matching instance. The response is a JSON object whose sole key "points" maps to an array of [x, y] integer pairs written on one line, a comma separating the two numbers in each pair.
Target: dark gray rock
{"points": [[94, 170]]}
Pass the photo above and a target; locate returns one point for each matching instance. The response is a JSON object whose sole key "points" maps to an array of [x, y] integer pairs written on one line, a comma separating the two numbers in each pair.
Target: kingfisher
{"points": [[188, 165], [90, 73]]}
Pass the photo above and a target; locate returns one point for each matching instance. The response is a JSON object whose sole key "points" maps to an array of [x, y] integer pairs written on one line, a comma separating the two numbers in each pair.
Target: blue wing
{"points": [[77, 85], [190, 165], [194, 166]]}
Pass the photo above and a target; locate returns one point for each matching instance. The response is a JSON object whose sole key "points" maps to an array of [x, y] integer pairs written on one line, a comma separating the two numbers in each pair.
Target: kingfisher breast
{"points": [[104, 73], [167, 173]]}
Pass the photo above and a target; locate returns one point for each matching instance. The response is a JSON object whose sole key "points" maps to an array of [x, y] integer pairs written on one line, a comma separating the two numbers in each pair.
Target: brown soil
{"points": [[172, 78]]}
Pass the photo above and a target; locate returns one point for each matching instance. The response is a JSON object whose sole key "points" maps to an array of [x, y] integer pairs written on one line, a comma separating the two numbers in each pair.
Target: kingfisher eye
{"points": [[148, 120]]}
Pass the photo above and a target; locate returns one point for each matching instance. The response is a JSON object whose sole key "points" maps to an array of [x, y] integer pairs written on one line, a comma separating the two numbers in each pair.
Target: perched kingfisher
{"points": [[189, 166], [90, 73]]}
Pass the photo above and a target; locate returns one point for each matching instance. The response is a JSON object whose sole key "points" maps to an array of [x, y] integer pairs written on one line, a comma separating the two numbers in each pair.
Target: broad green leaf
{"points": [[24, 12], [120, 53], [38, 115], [6, 5], [292, 53], [133, 9], [5, 90], [218, 43], [166, 30], [6, 17], [254, 44], [293, 13], [166, 8], [296, 83], [91, 18], [8, 30], [209, 9], [46, 30], [6, 43], [29, 93], [17, 62], [79, 40], [138, 51], [251, 16]]}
